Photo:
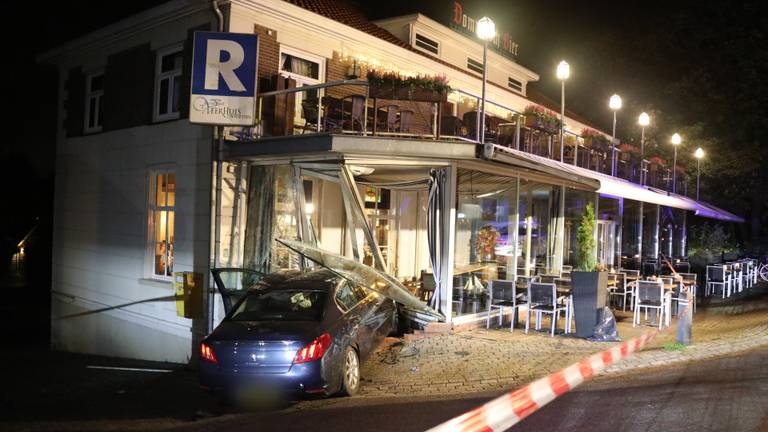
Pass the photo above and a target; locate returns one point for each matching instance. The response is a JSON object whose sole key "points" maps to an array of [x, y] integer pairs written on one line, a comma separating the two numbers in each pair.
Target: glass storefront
{"points": [[609, 214], [631, 234], [575, 202]]}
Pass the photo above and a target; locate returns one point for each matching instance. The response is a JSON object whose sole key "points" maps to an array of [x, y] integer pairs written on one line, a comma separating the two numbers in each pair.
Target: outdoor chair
{"points": [[542, 299], [621, 290], [390, 124], [428, 286], [406, 118], [357, 112], [735, 269], [650, 295], [649, 268], [690, 280], [503, 293], [717, 277]]}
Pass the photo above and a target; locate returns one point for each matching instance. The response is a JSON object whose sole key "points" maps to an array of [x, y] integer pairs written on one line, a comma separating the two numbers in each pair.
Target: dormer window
{"points": [[515, 84], [474, 65], [429, 45]]}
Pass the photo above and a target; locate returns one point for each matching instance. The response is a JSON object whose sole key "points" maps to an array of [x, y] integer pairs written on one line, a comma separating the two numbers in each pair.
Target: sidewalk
{"points": [[495, 359]]}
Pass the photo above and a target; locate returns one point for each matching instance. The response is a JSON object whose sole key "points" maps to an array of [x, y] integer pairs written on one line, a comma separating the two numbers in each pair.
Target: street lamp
{"points": [[486, 30], [614, 104], [644, 120], [698, 154], [563, 72], [676, 140]]}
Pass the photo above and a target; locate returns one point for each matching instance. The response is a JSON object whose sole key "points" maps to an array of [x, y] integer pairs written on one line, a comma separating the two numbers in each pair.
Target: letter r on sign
{"points": [[215, 67]]}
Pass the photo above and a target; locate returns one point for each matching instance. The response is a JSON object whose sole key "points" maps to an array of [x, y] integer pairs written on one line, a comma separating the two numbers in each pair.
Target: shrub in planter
{"points": [[589, 285]]}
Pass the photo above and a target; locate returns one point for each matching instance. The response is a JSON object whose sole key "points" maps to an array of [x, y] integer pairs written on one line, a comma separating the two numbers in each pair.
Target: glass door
{"points": [[606, 243]]}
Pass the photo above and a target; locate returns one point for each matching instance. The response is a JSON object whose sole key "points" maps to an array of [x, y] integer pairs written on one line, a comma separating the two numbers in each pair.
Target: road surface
{"points": [[723, 394]]}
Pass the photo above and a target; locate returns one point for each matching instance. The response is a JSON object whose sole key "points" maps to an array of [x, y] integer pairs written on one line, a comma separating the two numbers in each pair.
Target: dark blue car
{"points": [[294, 332]]}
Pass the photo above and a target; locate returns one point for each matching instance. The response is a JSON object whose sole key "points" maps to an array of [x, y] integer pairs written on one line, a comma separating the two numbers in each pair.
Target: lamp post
{"points": [[699, 153], [644, 120], [676, 140], [614, 103], [563, 72], [486, 30]]}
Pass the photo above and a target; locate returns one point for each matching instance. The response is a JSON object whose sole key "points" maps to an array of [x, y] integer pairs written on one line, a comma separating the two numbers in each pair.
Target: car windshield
{"points": [[282, 305]]}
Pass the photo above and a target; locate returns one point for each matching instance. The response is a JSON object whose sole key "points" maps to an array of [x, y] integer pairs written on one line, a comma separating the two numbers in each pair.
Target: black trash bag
{"points": [[606, 330]]}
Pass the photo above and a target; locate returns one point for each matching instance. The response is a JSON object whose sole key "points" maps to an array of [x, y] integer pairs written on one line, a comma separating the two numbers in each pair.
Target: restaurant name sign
{"points": [[223, 79], [464, 23]]}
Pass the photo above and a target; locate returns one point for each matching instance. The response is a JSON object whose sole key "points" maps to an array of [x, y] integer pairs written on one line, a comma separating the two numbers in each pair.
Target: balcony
{"points": [[356, 108]]}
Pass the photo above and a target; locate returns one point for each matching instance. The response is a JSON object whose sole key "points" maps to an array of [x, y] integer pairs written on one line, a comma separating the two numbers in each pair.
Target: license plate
{"points": [[257, 395]]}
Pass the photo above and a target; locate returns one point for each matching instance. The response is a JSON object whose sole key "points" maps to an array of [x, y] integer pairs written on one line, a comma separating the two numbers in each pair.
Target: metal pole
{"points": [[613, 149], [642, 155], [698, 175], [481, 133], [562, 120], [674, 171]]}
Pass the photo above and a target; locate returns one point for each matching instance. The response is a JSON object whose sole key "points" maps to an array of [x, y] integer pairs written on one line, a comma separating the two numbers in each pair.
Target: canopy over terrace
{"points": [[612, 186]]}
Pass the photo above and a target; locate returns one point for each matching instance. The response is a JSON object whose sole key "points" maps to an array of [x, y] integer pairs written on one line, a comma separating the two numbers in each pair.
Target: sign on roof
{"points": [[223, 79], [466, 24]]}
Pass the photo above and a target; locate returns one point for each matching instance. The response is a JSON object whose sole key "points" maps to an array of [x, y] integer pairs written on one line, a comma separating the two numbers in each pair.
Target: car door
{"points": [[233, 284], [352, 300]]}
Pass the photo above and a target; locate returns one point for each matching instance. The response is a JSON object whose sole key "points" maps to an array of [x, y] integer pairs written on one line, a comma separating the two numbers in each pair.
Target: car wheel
{"points": [[350, 380]]}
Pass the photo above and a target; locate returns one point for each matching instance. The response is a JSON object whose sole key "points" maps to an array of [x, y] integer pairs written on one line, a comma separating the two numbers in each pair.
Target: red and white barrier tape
{"points": [[508, 409]]}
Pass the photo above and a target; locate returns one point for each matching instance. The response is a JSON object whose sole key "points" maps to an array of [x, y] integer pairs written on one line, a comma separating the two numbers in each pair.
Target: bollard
{"points": [[685, 322]]}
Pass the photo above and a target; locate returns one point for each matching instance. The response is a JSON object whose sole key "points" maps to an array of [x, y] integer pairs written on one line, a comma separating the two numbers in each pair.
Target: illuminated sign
{"points": [[223, 79], [464, 23]]}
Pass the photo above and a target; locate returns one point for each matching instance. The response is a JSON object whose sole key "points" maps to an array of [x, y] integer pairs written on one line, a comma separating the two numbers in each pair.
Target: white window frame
{"points": [[306, 56], [173, 75], [99, 96], [152, 208]]}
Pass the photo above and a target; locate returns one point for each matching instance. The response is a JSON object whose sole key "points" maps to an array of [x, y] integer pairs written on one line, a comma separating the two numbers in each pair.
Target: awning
{"points": [[609, 185]]}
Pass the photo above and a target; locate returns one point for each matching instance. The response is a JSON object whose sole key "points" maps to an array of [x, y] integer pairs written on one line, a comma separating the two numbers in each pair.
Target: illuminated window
{"points": [[168, 83], [94, 102], [162, 203]]}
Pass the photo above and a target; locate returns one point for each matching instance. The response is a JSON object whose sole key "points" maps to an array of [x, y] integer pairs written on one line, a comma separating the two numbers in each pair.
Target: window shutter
{"points": [[74, 105], [186, 73], [128, 88]]}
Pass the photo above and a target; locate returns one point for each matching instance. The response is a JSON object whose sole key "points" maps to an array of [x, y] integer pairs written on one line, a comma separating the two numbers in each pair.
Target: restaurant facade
{"points": [[347, 153]]}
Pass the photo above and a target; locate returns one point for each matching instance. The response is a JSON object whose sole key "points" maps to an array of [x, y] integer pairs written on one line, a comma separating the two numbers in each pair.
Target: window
{"points": [[515, 84], [427, 44], [168, 83], [94, 102], [282, 305], [295, 65], [474, 65], [347, 296], [162, 203]]}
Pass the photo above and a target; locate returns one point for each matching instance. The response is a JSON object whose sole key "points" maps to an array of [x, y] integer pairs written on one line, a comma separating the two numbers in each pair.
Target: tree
{"points": [[585, 237]]}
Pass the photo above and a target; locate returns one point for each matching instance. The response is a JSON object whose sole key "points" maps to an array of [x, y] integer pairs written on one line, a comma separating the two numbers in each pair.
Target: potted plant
{"points": [[541, 118], [589, 286], [421, 88]]}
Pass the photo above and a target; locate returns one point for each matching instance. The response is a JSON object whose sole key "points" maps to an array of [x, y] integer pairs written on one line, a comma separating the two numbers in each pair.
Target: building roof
{"points": [[346, 13]]}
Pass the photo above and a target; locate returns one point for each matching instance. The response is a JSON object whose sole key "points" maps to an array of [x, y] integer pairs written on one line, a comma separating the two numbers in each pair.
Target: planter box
{"points": [[405, 93], [589, 294], [537, 123]]}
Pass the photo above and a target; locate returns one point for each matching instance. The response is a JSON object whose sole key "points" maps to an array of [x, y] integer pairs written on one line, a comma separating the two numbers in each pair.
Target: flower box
{"points": [[400, 92]]}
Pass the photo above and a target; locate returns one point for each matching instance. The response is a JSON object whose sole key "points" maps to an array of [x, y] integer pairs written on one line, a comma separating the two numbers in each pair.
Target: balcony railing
{"points": [[348, 107]]}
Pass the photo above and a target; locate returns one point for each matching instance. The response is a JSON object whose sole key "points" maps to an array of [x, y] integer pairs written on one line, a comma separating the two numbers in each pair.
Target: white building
{"points": [[136, 182]]}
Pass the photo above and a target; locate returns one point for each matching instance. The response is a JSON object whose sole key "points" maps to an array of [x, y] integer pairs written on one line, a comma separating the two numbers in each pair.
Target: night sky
{"points": [[649, 52]]}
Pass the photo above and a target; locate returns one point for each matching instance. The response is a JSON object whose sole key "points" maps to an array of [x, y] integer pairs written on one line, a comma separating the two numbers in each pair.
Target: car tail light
{"points": [[206, 354], [314, 350]]}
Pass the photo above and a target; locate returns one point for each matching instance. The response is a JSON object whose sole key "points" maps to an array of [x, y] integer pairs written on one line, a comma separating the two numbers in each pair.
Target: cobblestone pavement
{"points": [[493, 359]]}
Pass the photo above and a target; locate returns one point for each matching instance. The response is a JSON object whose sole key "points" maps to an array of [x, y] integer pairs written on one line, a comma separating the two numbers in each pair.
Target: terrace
{"points": [[427, 110]]}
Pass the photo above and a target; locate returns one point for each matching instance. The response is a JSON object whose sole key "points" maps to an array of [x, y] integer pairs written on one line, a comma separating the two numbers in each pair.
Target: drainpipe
{"points": [[217, 144]]}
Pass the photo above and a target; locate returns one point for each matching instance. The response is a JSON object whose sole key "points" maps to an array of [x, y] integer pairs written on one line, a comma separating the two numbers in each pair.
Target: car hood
{"points": [[303, 331], [365, 276]]}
